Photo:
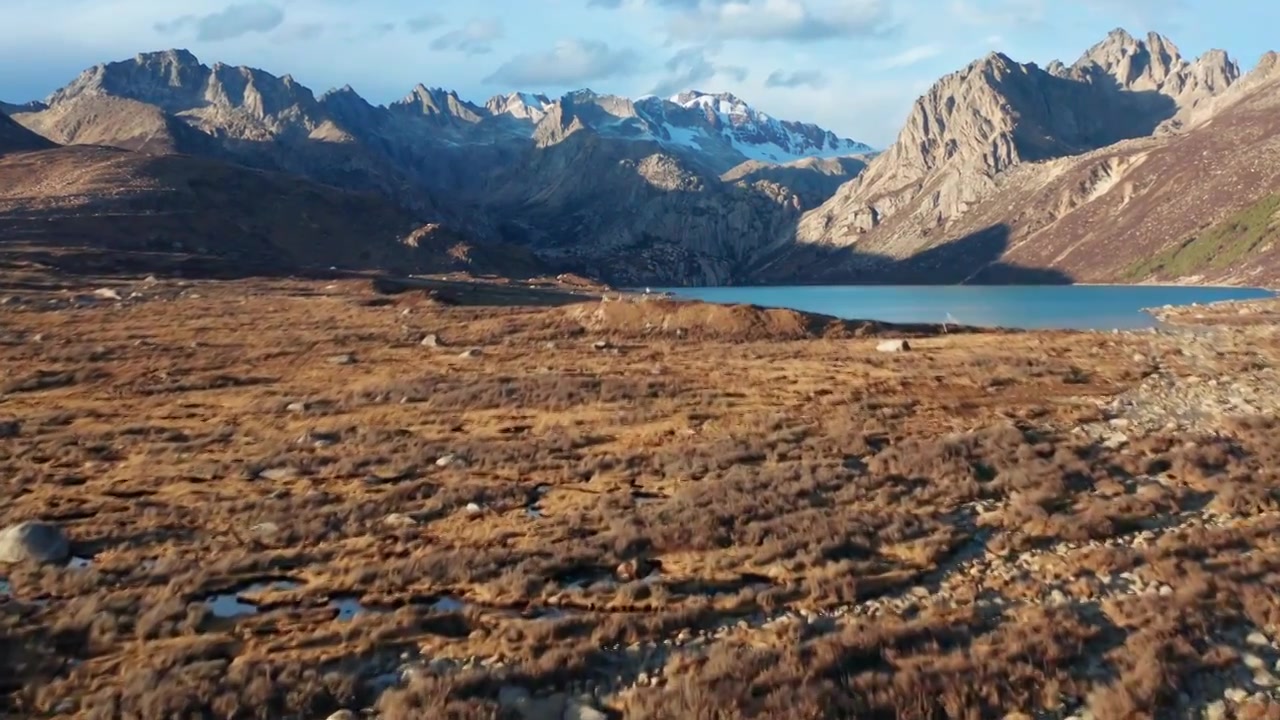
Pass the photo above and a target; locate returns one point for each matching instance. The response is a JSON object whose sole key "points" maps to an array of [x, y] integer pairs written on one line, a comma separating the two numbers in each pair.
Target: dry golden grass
{"points": [[603, 507]]}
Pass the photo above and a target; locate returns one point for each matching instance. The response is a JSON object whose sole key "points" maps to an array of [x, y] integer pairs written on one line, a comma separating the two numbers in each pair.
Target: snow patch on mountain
{"points": [[759, 136]]}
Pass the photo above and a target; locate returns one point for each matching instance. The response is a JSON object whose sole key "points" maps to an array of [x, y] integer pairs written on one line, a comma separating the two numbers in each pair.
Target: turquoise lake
{"points": [[1078, 307]]}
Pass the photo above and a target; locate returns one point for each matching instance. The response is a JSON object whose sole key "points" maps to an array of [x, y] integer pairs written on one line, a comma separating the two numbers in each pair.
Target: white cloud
{"points": [[1000, 13], [799, 78], [696, 66], [789, 20], [476, 37], [230, 22], [569, 62], [910, 56]]}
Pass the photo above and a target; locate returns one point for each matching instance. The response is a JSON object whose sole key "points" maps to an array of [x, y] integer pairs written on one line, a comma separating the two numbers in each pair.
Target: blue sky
{"points": [[854, 66]]}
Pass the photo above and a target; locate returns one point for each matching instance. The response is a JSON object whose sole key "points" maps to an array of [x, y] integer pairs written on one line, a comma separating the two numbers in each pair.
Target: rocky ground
{"points": [[309, 499]]}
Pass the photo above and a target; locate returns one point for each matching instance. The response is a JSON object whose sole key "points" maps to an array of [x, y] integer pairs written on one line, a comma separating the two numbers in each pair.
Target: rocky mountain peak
{"points": [[1133, 64], [1156, 65], [997, 113], [519, 105], [438, 104], [1269, 63], [163, 78]]}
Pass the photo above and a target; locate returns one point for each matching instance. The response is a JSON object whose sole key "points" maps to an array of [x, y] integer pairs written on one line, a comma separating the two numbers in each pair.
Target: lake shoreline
{"points": [[1086, 307]]}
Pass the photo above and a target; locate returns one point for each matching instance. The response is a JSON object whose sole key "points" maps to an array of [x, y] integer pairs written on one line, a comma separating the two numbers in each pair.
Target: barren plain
{"points": [[296, 499]]}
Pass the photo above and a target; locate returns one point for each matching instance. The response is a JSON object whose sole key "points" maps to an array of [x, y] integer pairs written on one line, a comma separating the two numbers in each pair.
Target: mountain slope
{"points": [[118, 122], [996, 114], [1148, 208], [92, 206], [15, 138], [1004, 172], [549, 173]]}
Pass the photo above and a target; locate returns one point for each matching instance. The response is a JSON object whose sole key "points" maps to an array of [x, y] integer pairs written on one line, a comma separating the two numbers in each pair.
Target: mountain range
{"points": [[1131, 164]]}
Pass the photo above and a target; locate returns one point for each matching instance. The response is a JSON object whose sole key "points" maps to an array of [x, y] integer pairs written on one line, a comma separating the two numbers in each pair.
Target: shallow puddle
{"points": [[348, 607], [448, 604], [234, 604], [240, 603], [230, 606]]}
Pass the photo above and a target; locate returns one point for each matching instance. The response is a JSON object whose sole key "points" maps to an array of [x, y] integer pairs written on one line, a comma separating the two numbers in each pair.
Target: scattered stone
{"points": [[296, 407], [1235, 694], [892, 346], [265, 529], [1257, 639], [578, 710], [447, 460], [1216, 710], [277, 474], [341, 359], [431, 340], [1115, 441], [320, 439], [601, 345], [634, 569], [472, 353], [342, 715], [106, 294], [399, 520], [33, 541], [512, 697], [474, 509]]}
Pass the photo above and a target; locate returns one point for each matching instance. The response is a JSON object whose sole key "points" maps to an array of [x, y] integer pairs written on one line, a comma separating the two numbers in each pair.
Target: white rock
{"points": [[1235, 695], [1216, 710], [106, 294], [893, 346], [577, 710], [474, 509], [33, 542]]}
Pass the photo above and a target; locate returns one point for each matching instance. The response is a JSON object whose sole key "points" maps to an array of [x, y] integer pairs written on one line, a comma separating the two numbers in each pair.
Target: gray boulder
{"points": [[33, 542]]}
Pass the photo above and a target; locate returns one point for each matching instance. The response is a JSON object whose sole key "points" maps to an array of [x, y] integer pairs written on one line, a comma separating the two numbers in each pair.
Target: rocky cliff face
{"points": [[1189, 203], [996, 114]]}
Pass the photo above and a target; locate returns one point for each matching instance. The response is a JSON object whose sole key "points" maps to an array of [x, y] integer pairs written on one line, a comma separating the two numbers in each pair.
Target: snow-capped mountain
{"points": [[519, 105], [721, 131], [759, 136], [704, 179]]}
